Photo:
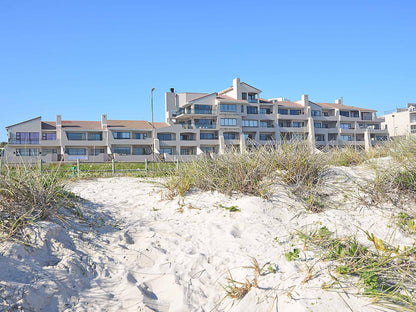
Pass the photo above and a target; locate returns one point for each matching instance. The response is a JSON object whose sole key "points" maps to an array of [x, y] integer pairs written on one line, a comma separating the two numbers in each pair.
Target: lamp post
{"points": [[153, 126]]}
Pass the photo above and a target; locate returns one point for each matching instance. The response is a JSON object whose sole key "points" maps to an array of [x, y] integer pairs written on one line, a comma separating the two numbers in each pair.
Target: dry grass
{"points": [[26, 196]]}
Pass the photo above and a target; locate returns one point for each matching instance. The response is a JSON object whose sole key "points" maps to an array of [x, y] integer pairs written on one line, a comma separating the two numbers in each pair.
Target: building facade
{"points": [[402, 122], [196, 123]]}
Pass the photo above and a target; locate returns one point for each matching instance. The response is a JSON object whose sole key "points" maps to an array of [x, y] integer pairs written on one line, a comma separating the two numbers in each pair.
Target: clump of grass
{"points": [[227, 173], [252, 172], [347, 156], [385, 273], [406, 222], [26, 196]]}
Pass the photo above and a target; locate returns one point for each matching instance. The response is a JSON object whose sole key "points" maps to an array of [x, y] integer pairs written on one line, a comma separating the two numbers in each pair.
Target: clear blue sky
{"points": [[84, 58]]}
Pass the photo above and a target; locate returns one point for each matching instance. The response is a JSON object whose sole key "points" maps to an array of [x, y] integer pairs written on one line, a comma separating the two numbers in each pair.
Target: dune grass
{"points": [[27, 196], [251, 172], [385, 273]]}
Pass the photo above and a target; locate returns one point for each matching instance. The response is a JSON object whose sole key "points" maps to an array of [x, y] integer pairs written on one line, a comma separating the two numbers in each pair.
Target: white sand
{"points": [[139, 252]]}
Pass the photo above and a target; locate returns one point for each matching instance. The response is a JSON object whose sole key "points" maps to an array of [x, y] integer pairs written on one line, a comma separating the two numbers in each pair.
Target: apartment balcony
{"points": [[294, 129], [344, 118], [292, 117], [349, 131], [112, 141], [203, 126], [186, 143], [326, 130], [325, 118], [182, 112], [50, 142], [23, 143]]}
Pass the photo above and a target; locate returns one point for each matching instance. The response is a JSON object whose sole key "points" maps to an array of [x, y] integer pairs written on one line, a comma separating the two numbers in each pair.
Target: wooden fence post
{"points": [[78, 169], [145, 165], [40, 166], [113, 166]]}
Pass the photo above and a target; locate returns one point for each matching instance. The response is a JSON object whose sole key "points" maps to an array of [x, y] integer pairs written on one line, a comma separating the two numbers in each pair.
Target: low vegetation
{"points": [[252, 172], [385, 273], [27, 196]]}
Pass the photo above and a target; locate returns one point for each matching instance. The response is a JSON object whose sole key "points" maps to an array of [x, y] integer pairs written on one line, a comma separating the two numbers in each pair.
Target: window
{"points": [[166, 150], [228, 108], [95, 136], [202, 109], [344, 113], [283, 111], [122, 150], [76, 136], [252, 110], [165, 136], [208, 149], [250, 123], [121, 135], [207, 136], [96, 151], [244, 96], [326, 114], [27, 152], [345, 126], [265, 111], [345, 137], [49, 136], [355, 114], [230, 136], [228, 122], [187, 151], [249, 136], [319, 137], [47, 151], [316, 113], [76, 151], [297, 124], [242, 108], [317, 125], [252, 98], [266, 124], [205, 123], [295, 112], [26, 138], [142, 150], [187, 137], [140, 136], [412, 118], [266, 137]]}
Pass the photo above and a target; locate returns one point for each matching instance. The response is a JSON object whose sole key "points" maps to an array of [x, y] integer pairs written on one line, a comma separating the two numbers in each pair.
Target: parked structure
{"points": [[402, 122], [197, 123]]}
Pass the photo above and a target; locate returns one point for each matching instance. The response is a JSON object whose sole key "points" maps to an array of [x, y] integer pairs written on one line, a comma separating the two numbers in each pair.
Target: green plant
{"points": [[386, 273], [292, 255], [230, 208]]}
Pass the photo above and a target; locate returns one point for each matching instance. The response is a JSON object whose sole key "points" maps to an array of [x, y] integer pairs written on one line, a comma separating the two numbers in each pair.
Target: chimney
{"points": [[236, 89], [305, 100], [104, 122], [338, 101], [172, 90], [58, 120]]}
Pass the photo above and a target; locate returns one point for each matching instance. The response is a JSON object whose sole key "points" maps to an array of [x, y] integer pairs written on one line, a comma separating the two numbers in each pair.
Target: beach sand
{"points": [[134, 249]]}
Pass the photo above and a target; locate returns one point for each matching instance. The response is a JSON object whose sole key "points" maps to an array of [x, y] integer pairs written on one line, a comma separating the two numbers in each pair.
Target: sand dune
{"points": [[138, 251]]}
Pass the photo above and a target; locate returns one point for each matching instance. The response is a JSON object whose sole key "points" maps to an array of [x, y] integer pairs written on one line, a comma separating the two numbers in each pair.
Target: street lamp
{"points": [[153, 126]]}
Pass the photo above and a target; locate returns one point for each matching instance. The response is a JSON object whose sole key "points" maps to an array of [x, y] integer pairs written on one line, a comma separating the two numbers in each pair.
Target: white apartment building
{"points": [[196, 123], [402, 122]]}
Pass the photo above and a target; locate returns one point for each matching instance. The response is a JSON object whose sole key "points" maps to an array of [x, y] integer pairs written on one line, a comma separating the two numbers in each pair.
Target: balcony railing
{"points": [[192, 111], [203, 126], [22, 142]]}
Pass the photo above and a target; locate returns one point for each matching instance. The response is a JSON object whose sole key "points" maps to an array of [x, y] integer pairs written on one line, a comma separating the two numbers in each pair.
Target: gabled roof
{"points": [[290, 104], [265, 101], [204, 96], [341, 106], [135, 124], [48, 125], [81, 124], [19, 123], [231, 88], [227, 98]]}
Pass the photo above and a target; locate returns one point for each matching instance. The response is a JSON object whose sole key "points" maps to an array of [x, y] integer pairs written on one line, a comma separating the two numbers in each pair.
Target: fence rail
{"points": [[80, 169]]}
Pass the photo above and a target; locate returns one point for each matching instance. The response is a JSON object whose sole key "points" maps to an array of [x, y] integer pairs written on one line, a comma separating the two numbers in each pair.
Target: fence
{"points": [[85, 169]]}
